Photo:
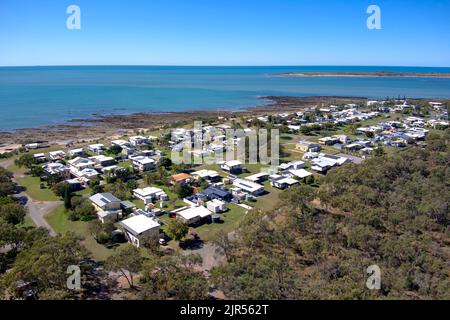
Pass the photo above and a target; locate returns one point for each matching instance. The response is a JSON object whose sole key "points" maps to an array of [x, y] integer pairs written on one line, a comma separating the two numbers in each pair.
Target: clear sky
{"points": [[225, 32]]}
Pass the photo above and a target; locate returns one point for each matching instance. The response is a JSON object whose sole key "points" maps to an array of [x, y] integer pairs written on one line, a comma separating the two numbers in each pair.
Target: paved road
{"points": [[36, 209]]}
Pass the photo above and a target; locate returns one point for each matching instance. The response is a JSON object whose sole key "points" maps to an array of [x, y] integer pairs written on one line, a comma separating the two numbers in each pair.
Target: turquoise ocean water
{"points": [[38, 96]]}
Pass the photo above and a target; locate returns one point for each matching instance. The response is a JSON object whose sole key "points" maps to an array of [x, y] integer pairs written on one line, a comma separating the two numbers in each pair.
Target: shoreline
{"points": [[380, 74], [117, 125]]}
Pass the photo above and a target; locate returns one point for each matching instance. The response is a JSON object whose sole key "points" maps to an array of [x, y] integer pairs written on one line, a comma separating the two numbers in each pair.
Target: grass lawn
{"points": [[232, 219], [33, 189], [59, 222], [268, 201], [125, 164]]}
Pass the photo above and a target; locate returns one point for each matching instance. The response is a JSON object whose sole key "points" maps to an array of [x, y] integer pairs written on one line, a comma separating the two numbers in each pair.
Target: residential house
{"points": [[142, 163], [283, 182], [209, 175], [79, 164], [76, 152], [300, 173], [57, 169], [39, 157], [328, 141], [194, 215], [250, 187], [103, 161], [96, 148], [57, 155], [150, 194], [259, 177], [307, 146], [293, 165], [140, 230], [233, 166], [181, 178], [216, 206], [37, 145], [215, 193], [138, 140], [107, 206]]}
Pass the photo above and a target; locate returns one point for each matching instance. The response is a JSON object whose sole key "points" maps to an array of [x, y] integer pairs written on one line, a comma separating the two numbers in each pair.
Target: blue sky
{"points": [[225, 32]]}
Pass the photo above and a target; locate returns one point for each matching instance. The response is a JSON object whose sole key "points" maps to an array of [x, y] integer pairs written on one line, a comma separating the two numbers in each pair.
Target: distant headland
{"points": [[364, 74]]}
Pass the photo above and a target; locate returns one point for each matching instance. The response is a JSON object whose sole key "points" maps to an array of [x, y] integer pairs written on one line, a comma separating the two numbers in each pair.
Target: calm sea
{"points": [[38, 96]]}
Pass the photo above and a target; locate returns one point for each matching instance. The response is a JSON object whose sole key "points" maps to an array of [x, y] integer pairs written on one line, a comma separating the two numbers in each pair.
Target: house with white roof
{"points": [[107, 206], [307, 146], [138, 140], [97, 148], [208, 175], [216, 206], [57, 155], [283, 183], [233, 166], [76, 152], [255, 189], [258, 177], [81, 163], [150, 194], [194, 215], [293, 165], [39, 157], [143, 163], [103, 161], [300, 173], [140, 230], [57, 169]]}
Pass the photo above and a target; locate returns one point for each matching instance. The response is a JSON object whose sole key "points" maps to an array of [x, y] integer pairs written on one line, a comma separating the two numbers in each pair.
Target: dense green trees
{"points": [[173, 277], [176, 229], [127, 261], [7, 185], [390, 211]]}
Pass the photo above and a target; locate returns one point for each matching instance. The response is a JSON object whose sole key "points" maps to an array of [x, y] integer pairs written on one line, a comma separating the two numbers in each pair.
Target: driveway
{"points": [[36, 209]]}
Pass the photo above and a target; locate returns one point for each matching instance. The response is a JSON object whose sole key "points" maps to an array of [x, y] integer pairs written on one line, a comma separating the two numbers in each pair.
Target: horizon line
{"points": [[217, 66]]}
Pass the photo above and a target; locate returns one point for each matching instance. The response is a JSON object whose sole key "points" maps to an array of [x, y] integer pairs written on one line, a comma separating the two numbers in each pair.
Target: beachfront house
{"points": [[140, 230]]}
